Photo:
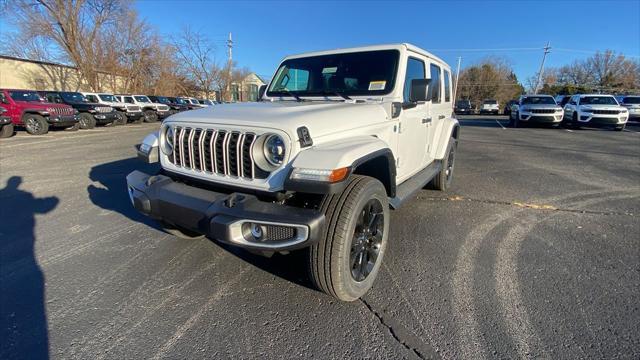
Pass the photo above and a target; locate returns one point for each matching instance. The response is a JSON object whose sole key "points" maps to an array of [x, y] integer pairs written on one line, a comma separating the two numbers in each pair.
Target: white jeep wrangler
{"points": [[125, 112], [339, 138], [151, 111]]}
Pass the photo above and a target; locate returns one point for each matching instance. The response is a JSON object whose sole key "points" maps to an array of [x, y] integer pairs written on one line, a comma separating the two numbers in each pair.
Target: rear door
{"points": [[441, 106]]}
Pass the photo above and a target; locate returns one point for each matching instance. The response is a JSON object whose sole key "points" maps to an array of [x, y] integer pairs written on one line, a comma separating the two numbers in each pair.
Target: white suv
{"points": [[340, 137], [151, 111], [541, 109], [595, 110], [125, 112], [490, 107]]}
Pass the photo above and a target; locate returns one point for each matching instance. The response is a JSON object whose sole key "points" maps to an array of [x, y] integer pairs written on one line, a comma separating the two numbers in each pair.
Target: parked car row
{"points": [[38, 111], [489, 106], [578, 110]]}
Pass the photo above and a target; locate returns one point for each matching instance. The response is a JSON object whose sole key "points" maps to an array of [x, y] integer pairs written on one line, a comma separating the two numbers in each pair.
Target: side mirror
{"points": [[419, 91], [261, 91]]}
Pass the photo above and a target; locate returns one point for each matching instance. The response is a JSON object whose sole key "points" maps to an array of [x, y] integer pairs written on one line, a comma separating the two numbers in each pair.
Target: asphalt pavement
{"points": [[533, 253]]}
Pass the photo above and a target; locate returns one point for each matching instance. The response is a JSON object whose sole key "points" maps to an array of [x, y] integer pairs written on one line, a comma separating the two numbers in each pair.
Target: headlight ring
{"points": [[269, 151], [166, 140]]}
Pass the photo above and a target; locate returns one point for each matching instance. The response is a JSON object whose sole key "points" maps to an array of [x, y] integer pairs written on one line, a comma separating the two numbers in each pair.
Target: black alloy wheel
{"points": [[367, 240]]}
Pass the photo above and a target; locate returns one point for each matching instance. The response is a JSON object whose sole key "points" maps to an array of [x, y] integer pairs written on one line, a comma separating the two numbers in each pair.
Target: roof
{"points": [[397, 46]]}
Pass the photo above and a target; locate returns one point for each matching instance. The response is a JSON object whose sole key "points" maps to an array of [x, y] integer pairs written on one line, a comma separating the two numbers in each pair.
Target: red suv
{"points": [[26, 108]]}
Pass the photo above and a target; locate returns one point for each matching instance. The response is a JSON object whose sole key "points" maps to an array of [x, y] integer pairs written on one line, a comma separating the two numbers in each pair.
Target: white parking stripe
{"points": [[503, 128]]}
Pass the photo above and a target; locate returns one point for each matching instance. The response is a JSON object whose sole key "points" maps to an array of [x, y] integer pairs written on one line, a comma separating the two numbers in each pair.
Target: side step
{"points": [[405, 190]]}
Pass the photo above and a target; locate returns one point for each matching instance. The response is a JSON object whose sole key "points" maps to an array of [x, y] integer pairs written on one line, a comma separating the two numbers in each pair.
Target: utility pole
{"points": [[455, 91], [229, 64], [547, 49]]}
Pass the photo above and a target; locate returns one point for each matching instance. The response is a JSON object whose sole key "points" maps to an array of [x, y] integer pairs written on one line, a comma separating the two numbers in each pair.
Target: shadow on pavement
{"points": [[483, 122], [23, 321], [114, 197]]}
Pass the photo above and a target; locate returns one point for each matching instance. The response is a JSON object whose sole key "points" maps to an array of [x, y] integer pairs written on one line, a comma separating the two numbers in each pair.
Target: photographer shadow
{"points": [[23, 319]]}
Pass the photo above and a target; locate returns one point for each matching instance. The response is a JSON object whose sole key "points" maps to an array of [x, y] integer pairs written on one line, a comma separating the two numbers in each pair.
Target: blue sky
{"points": [[265, 31]]}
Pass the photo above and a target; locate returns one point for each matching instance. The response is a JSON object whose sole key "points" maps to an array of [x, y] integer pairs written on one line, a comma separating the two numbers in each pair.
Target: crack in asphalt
{"points": [[394, 331], [528, 206]]}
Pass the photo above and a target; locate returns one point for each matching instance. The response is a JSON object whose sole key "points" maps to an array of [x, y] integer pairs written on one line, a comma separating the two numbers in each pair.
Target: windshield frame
{"points": [[615, 101], [524, 98], [393, 79], [138, 97], [68, 96]]}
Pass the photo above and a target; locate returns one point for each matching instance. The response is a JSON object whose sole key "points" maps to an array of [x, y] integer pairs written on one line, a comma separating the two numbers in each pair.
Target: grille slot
{"points": [[219, 152]]}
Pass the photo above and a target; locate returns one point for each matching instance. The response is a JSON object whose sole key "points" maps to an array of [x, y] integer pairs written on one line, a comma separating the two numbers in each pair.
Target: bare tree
{"points": [[491, 78], [195, 53]]}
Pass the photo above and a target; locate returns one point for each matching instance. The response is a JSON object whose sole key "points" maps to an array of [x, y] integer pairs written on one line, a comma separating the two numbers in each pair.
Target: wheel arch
{"points": [[449, 128]]}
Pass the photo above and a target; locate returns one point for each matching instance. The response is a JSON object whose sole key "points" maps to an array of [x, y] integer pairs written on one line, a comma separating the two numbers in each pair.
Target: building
{"points": [[17, 73], [247, 89]]}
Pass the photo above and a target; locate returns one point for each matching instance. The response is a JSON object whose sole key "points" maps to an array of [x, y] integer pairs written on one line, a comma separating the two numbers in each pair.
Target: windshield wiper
{"points": [[337, 93], [284, 90]]}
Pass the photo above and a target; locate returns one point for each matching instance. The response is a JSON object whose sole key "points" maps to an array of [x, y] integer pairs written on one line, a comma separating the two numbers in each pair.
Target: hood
{"points": [[320, 117], [42, 104]]}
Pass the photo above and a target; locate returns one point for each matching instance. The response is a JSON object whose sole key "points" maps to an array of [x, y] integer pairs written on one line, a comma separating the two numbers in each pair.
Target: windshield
{"points": [[25, 96], [598, 100], [163, 100], [194, 101], [361, 73], [463, 103], [73, 97], [490, 102], [546, 100], [107, 97], [631, 100], [142, 99]]}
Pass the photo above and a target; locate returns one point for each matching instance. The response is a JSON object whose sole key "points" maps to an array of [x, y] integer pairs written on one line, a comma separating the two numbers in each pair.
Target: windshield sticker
{"points": [[329, 70], [377, 85]]}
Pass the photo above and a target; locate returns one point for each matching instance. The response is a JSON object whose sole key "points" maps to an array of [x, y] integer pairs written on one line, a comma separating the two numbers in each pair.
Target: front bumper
{"points": [[541, 118], [602, 119], [62, 120], [228, 218], [105, 118], [163, 114], [134, 114]]}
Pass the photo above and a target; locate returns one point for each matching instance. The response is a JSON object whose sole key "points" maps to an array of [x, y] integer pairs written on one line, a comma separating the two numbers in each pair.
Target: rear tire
{"points": [[443, 180], [347, 258], [6, 131], [150, 116], [35, 124], [86, 121]]}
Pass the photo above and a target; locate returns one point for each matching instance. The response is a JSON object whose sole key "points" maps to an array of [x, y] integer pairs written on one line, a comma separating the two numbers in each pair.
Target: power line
{"points": [[495, 49]]}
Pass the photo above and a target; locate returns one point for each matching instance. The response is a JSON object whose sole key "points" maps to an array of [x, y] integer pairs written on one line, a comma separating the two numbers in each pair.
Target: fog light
{"points": [[256, 231]]}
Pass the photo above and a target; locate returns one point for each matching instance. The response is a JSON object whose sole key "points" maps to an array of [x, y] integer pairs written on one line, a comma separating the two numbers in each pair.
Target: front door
{"points": [[413, 129]]}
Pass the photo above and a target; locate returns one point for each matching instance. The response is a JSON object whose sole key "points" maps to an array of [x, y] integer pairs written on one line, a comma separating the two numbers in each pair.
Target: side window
{"points": [[51, 98], [92, 98], [415, 70], [436, 84], [447, 86]]}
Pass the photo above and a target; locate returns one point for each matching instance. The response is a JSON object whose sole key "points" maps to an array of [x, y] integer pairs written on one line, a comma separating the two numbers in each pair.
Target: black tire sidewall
{"points": [[89, 121], [342, 268], [150, 116], [7, 130], [44, 125]]}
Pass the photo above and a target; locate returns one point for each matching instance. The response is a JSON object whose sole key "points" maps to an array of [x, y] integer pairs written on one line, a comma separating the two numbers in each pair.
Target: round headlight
{"points": [[274, 149], [166, 140]]}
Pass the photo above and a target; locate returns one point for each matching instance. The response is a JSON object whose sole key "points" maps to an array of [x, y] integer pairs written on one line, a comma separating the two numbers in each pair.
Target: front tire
{"points": [[121, 118], [150, 116], [74, 127], [35, 124], [6, 131], [86, 121], [346, 260], [443, 180]]}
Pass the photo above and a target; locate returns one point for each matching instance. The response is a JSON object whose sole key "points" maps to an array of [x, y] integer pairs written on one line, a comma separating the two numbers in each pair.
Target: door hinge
{"points": [[399, 127], [397, 162]]}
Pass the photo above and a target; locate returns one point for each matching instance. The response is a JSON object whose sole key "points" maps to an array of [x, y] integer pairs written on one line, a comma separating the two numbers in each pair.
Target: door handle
{"points": [[440, 117], [426, 120]]}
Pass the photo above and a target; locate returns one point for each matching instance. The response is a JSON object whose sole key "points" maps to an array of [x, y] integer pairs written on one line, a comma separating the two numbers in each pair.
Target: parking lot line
{"points": [[503, 128]]}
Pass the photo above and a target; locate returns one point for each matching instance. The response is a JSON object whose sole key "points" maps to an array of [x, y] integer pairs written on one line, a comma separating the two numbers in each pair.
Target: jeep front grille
{"points": [[543, 111], [63, 110], [163, 107], [221, 152], [104, 109], [133, 108]]}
